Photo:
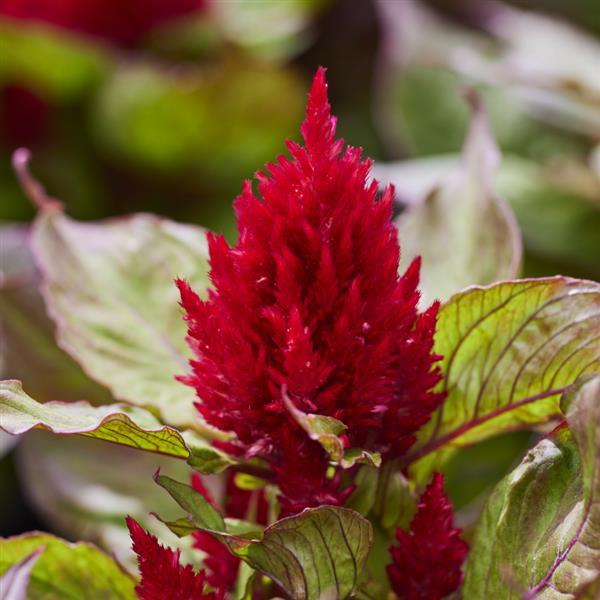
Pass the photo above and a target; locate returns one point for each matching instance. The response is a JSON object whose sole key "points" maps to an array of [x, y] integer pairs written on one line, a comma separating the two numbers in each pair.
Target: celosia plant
{"points": [[330, 400]]}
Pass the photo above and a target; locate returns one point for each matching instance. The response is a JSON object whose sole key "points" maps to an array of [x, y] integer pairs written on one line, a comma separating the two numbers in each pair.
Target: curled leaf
{"points": [[539, 533]]}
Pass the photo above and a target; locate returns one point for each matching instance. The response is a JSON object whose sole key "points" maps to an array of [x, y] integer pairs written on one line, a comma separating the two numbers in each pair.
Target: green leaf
{"points": [[539, 535], [58, 64], [509, 351], [202, 513], [109, 288], [317, 554], [118, 423], [15, 581], [28, 351], [466, 215], [66, 570], [121, 424], [395, 499], [322, 429]]}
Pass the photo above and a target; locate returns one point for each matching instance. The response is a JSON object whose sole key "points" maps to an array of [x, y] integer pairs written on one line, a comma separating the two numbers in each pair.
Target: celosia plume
{"points": [[310, 298], [162, 575], [426, 565]]}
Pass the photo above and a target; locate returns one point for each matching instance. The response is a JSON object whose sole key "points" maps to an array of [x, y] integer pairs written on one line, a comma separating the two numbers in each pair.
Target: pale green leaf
{"points": [[64, 570], [118, 423], [28, 351], [509, 351], [109, 287], [463, 231], [539, 535]]}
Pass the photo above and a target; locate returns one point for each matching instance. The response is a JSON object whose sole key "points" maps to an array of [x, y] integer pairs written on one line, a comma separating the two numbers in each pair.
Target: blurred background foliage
{"points": [[165, 106]]}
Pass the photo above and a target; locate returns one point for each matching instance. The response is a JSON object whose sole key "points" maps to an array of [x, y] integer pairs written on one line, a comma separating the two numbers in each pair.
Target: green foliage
{"points": [[118, 423], [316, 554], [65, 570], [59, 66], [109, 288], [509, 351], [538, 535]]}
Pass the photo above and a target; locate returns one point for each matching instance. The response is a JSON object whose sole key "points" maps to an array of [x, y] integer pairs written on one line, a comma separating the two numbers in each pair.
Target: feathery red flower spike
{"points": [[426, 565], [310, 298], [162, 575]]}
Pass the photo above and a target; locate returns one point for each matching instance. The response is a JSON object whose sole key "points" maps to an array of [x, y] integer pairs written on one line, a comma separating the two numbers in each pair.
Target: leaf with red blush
{"points": [[539, 534], [509, 351]]}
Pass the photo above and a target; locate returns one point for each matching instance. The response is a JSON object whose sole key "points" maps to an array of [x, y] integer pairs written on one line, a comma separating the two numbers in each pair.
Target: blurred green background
{"points": [[165, 106]]}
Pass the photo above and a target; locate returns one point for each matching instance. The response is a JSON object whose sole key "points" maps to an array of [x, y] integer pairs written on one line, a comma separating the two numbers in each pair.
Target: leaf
{"points": [[463, 231], [14, 582], [28, 351], [117, 423], [58, 64], [539, 535], [510, 350], [317, 554], [84, 489], [326, 431], [67, 570], [322, 429], [109, 288], [202, 513]]}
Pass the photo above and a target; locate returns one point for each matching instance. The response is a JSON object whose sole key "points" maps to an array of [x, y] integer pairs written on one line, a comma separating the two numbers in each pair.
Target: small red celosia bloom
{"points": [[310, 299], [162, 576], [427, 563]]}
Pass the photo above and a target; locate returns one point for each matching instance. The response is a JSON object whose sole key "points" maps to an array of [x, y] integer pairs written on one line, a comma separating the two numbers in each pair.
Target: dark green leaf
{"points": [[202, 513]]}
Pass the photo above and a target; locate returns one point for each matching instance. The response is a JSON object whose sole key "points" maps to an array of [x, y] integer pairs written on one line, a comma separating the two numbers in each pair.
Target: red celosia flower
{"points": [[310, 298], [121, 22], [427, 563], [162, 576]]}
